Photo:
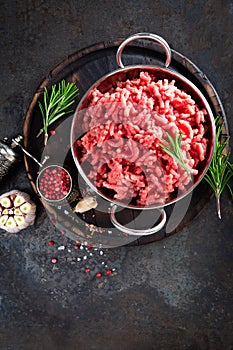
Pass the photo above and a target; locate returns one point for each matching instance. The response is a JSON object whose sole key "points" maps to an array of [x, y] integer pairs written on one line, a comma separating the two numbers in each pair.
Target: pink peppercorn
{"points": [[88, 270], [52, 132], [98, 275], [51, 242], [54, 260], [109, 272]]}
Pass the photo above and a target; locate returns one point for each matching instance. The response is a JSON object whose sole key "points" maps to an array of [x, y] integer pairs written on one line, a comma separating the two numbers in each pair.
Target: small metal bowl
{"points": [[54, 201]]}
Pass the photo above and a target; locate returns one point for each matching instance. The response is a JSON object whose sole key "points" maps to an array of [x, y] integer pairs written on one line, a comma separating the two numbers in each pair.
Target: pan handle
{"points": [[136, 232], [149, 36]]}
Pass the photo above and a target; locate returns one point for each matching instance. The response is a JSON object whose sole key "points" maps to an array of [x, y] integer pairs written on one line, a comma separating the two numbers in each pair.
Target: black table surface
{"points": [[175, 293]]}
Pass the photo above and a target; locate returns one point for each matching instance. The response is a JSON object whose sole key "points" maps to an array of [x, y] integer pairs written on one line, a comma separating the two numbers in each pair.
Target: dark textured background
{"points": [[171, 294]]}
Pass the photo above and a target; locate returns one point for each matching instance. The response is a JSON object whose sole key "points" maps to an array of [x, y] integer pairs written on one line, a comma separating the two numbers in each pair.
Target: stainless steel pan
{"points": [[164, 72]]}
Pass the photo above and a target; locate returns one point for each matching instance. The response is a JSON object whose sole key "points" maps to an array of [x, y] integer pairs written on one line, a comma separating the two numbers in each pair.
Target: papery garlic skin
{"points": [[85, 204]]}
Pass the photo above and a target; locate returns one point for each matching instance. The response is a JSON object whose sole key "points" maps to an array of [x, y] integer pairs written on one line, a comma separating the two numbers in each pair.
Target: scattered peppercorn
{"points": [[98, 275]]}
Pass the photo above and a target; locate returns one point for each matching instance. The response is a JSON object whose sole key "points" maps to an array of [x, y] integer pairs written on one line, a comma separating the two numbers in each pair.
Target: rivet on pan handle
{"points": [[149, 36], [136, 232]]}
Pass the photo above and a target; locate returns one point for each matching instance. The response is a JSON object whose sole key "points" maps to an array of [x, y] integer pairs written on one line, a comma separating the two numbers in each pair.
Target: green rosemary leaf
{"points": [[230, 190], [42, 111], [210, 182], [46, 97], [171, 154], [57, 116], [56, 105], [172, 141]]}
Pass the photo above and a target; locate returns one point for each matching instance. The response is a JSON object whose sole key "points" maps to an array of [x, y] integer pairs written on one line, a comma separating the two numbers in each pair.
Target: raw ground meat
{"points": [[123, 129]]}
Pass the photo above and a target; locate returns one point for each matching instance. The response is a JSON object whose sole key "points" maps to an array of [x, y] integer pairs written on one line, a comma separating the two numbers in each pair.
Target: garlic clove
{"points": [[6, 202], [17, 211], [26, 208], [85, 204], [19, 200], [10, 223], [19, 219], [3, 219]]}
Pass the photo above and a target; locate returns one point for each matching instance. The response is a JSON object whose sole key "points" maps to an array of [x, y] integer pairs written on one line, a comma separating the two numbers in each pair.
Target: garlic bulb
{"points": [[17, 211]]}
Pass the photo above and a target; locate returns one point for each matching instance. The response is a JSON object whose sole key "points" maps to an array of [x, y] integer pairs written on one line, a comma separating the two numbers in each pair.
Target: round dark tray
{"points": [[84, 68]]}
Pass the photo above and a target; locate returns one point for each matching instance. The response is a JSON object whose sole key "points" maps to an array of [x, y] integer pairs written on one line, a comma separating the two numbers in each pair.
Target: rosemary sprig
{"points": [[173, 149], [220, 170], [55, 105], [230, 166]]}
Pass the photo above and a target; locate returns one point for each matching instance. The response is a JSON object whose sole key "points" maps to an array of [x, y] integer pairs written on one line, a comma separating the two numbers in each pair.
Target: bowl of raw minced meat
{"points": [[143, 136]]}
